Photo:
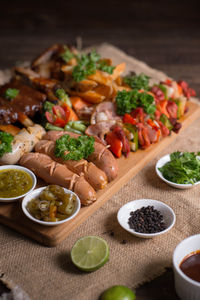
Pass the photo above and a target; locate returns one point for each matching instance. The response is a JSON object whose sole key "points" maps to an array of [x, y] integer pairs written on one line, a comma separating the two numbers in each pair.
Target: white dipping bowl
{"points": [[124, 214], [162, 161], [186, 288], [35, 194], [15, 167]]}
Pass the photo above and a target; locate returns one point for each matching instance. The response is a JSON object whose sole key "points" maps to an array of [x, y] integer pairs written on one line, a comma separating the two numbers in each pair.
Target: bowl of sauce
{"points": [[15, 182], [186, 264]]}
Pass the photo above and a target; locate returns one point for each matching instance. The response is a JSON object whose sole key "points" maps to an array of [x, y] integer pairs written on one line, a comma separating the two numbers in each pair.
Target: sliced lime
{"points": [[89, 253], [118, 292]]}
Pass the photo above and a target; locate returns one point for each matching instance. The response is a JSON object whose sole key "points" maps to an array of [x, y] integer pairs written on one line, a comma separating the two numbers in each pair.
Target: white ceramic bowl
{"points": [[35, 194], [186, 288], [167, 212], [162, 161], [15, 167]]}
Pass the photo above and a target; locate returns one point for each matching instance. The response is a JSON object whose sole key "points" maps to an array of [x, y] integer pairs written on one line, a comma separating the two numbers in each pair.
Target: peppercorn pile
{"points": [[146, 220]]}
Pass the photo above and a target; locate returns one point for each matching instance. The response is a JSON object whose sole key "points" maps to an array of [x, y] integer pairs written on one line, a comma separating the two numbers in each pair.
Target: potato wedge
{"points": [[119, 69], [89, 96], [86, 85]]}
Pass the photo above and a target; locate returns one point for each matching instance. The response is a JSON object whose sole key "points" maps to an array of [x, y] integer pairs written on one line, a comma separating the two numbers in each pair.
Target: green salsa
{"points": [[14, 183]]}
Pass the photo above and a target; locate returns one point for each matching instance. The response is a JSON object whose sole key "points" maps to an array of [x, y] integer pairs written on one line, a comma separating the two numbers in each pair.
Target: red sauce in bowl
{"points": [[190, 265]]}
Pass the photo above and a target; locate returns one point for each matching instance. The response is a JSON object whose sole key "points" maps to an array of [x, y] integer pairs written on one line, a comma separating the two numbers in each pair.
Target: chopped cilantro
{"points": [[127, 101], [137, 82], [11, 93], [5, 142], [183, 168], [74, 148]]}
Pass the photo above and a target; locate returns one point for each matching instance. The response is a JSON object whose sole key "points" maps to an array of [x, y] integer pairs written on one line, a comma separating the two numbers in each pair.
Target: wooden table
{"points": [[164, 34]]}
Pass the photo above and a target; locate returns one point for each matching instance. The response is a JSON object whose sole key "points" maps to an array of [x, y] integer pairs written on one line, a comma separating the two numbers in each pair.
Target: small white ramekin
{"points": [[162, 161], [15, 167], [186, 288], [35, 194]]}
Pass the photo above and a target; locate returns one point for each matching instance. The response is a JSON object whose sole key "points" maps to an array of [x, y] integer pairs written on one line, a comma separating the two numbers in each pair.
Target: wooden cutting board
{"points": [[11, 214]]}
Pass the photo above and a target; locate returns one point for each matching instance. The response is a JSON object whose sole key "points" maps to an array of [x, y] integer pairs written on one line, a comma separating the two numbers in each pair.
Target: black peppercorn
{"points": [[146, 220]]}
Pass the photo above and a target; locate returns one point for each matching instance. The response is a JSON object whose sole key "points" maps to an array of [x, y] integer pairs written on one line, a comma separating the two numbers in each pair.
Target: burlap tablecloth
{"points": [[47, 273]]}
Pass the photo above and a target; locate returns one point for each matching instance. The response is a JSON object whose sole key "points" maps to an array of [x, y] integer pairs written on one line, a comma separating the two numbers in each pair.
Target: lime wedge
{"points": [[89, 253], [118, 292]]}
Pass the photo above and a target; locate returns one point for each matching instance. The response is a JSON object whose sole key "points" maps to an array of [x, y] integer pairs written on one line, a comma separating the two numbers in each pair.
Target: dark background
{"points": [[165, 34]]}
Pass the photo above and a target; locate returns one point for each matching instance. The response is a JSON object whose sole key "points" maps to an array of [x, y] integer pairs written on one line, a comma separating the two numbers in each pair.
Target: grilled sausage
{"points": [[52, 172], [101, 156], [96, 177]]}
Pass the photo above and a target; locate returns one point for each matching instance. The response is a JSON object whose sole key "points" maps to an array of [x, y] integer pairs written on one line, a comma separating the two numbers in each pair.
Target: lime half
{"points": [[89, 253], [118, 292]]}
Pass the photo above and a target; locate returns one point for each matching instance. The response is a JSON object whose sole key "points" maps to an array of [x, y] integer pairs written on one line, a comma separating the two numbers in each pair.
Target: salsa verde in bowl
{"points": [[15, 182]]}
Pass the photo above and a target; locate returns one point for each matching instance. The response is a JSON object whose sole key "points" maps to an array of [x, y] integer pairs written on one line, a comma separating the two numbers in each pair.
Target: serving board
{"points": [[11, 213]]}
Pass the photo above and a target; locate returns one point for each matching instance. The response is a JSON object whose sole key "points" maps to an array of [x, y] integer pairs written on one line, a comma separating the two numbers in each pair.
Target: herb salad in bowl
{"points": [[180, 169]]}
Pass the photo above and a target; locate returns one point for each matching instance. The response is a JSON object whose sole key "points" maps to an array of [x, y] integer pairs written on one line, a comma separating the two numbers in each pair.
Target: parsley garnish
{"points": [[87, 64], [183, 168], [5, 142], [103, 66], [67, 55], [127, 101], [78, 148], [11, 93], [138, 82]]}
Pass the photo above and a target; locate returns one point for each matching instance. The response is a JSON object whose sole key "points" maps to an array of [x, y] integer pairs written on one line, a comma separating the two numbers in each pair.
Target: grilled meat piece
{"points": [[27, 102]]}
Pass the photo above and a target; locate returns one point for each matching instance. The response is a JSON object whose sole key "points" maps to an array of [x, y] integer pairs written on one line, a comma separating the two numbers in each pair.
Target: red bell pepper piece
{"points": [[59, 122], [122, 137], [129, 119], [115, 144]]}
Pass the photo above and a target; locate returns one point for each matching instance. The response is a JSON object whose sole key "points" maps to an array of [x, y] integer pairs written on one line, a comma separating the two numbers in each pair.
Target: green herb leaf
{"points": [[103, 66], [5, 142], [63, 97], [47, 106], [11, 93], [138, 82], [67, 55], [183, 168], [127, 101], [88, 64], [77, 148]]}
